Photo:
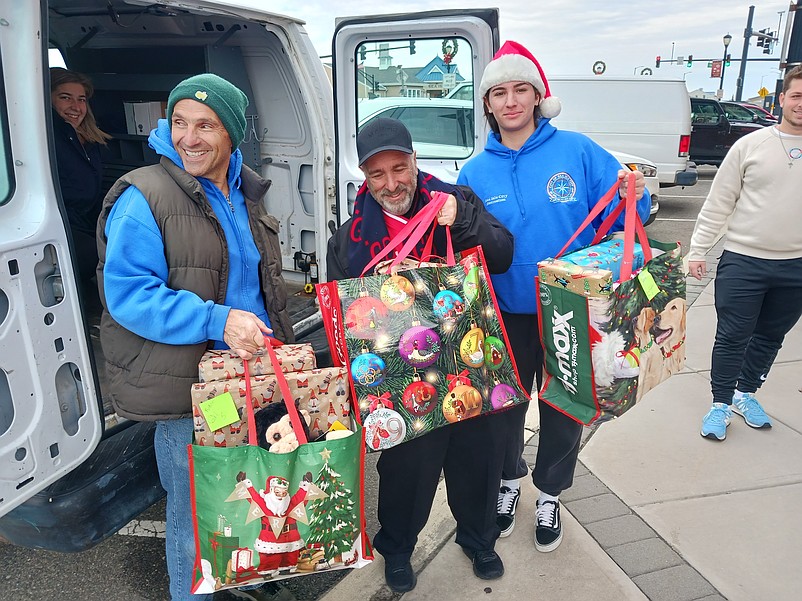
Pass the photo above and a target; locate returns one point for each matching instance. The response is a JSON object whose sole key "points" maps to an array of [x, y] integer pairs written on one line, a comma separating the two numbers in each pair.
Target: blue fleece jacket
{"points": [[542, 193], [137, 295]]}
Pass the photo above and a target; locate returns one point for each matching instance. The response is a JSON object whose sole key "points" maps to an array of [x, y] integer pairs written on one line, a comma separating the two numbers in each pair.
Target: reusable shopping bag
{"points": [[262, 516], [608, 340], [425, 346]]}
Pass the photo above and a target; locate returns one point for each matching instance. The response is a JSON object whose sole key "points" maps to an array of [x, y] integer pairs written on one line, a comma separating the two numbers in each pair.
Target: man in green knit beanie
{"points": [[189, 260]]}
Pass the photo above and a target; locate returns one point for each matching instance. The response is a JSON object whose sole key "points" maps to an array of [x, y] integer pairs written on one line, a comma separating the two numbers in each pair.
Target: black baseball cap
{"points": [[382, 134]]}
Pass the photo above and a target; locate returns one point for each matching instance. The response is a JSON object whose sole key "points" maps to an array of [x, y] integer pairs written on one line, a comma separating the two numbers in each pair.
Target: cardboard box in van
{"points": [[644, 116]]}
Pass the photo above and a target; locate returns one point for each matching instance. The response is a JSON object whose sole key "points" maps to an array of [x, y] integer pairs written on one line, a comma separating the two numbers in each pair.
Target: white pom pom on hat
{"points": [[513, 62]]}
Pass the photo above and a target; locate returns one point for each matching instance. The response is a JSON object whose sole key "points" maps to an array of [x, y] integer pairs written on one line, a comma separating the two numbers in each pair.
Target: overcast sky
{"points": [[567, 37]]}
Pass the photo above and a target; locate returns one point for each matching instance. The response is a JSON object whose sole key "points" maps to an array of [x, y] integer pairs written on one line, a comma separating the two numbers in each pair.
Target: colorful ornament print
{"points": [[365, 316], [419, 397], [502, 396], [419, 346], [471, 349], [368, 369], [470, 286], [447, 305], [384, 428], [397, 293], [494, 353], [462, 402]]}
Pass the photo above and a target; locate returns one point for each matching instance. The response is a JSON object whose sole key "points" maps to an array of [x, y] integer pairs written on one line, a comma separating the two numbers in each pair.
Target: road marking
{"points": [[662, 196], [146, 528], [674, 219]]}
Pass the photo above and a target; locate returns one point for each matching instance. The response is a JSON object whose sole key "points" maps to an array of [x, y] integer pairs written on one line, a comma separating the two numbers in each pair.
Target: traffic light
{"points": [[690, 61], [412, 46], [363, 53], [727, 61], [657, 63], [767, 46], [760, 39]]}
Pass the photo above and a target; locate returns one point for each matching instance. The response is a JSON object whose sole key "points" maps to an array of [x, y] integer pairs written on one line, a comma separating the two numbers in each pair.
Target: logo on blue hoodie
{"points": [[561, 188]]}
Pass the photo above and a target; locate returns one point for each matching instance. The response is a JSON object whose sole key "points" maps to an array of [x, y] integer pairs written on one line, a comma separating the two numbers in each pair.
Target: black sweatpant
{"points": [[469, 454], [560, 436], [757, 302]]}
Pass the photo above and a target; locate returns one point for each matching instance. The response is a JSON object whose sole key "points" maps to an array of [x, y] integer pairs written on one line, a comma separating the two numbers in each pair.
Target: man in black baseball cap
{"points": [[394, 190]]}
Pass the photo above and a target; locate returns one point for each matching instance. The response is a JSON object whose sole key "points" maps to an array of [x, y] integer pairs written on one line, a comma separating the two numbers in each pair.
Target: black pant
{"points": [[560, 436], [469, 454], [757, 302]]}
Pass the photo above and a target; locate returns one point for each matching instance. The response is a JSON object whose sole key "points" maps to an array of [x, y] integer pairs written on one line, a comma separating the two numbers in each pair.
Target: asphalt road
{"points": [[131, 567]]}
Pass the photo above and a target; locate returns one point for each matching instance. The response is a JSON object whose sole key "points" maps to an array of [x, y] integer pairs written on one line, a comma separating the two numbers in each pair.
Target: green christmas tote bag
{"points": [[261, 516], [612, 317]]}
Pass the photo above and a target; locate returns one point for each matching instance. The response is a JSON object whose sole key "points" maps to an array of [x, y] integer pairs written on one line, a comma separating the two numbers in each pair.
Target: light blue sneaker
{"points": [[749, 409], [714, 424]]}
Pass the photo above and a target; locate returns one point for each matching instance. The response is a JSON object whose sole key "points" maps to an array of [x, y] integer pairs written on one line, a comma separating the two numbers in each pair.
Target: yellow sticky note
{"points": [[648, 284], [220, 411]]}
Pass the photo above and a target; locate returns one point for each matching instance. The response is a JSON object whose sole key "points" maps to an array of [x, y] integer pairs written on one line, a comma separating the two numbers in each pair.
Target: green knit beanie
{"points": [[223, 97]]}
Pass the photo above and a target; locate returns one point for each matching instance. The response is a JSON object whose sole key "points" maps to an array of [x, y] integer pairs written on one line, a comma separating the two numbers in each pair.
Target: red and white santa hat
{"points": [[513, 62], [277, 481]]}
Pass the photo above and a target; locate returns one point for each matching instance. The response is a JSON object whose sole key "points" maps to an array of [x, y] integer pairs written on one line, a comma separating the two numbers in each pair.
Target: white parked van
{"points": [[644, 116], [67, 481]]}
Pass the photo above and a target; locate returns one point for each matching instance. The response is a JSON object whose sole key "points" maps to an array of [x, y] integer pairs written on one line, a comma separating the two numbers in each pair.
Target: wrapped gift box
{"points": [[324, 393], [222, 547], [225, 365], [606, 255], [589, 281]]}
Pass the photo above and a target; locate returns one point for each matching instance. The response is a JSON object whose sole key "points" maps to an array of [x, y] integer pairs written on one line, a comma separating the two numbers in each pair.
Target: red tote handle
{"points": [[412, 233], [632, 226], [295, 417]]}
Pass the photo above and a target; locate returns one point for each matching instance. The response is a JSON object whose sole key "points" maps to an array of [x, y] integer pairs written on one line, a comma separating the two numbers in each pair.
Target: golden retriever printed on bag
{"points": [[641, 341]]}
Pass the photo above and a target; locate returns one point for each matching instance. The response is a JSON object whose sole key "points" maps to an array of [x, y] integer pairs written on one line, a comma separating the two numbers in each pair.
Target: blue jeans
{"points": [[170, 441]]}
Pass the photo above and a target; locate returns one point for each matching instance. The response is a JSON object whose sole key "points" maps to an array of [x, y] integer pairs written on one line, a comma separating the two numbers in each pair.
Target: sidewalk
{"points": [[656, 511]]}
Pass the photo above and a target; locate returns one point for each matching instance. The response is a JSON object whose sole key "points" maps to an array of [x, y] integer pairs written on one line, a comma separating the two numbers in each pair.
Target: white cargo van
{"points": [[66, 480], [644, 116]]}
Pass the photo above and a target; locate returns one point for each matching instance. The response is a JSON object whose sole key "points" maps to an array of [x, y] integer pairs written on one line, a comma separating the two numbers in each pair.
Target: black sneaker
{"points": [[548, 526], [399, 575], [505, 510], [269, 591], [487, 564]]}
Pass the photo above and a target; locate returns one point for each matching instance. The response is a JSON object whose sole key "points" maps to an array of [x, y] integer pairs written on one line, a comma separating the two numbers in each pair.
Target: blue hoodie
{"points": [[542, 193], [136, 271]]}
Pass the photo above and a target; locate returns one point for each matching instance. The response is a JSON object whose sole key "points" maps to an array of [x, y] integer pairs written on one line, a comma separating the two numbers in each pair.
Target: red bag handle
{"points": [[413, 232], [295, 417], [632, 225]]}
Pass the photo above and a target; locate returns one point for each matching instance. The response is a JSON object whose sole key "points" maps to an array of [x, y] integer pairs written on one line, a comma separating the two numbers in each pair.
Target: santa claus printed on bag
{"points": [[279, 542]]}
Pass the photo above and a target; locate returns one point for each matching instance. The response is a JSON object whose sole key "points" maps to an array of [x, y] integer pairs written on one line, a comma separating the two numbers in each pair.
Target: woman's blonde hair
{"points": [[88, 130]]}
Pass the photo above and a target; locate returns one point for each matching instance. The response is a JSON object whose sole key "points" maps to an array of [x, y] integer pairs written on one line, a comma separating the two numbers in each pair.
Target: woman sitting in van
{"points": [[77, 140]]}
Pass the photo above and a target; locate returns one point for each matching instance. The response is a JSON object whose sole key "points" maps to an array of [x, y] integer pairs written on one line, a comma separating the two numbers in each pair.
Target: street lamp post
{"points": [[727, 40]]}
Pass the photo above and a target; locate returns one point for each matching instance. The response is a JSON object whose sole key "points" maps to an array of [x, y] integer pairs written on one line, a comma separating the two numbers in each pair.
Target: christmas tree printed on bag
{"points": [[334, 525]]}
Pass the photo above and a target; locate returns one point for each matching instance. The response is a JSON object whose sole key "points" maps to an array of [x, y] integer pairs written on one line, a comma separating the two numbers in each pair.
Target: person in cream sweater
{"points": [[755, 196]]}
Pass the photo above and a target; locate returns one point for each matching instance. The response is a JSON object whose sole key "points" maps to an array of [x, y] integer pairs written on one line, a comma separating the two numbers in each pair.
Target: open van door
{"points": [[50, 416], [403, 67]]}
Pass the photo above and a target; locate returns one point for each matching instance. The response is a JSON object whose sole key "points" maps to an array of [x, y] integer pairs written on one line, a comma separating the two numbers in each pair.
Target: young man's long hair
{"points": [[88, 131]]}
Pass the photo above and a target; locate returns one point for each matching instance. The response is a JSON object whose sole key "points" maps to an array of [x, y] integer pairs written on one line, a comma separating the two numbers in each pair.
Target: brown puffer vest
{"points": [[151, 381]]}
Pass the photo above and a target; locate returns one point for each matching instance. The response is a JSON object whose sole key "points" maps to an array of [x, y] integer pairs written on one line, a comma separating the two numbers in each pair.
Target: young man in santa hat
{"points": [[541, 183]]}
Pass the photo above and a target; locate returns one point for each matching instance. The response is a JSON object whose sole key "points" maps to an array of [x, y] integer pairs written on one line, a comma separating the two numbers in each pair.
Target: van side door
{"points": [[403, 67], [50, 416]]}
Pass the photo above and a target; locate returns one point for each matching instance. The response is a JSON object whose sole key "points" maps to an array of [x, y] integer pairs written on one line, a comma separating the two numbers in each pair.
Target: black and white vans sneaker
{"points": [[507, 503], [548, 526]]}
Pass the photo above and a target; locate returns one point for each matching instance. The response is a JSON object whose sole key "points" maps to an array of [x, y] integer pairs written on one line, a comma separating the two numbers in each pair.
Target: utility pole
{"points": [[742, 73]]}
